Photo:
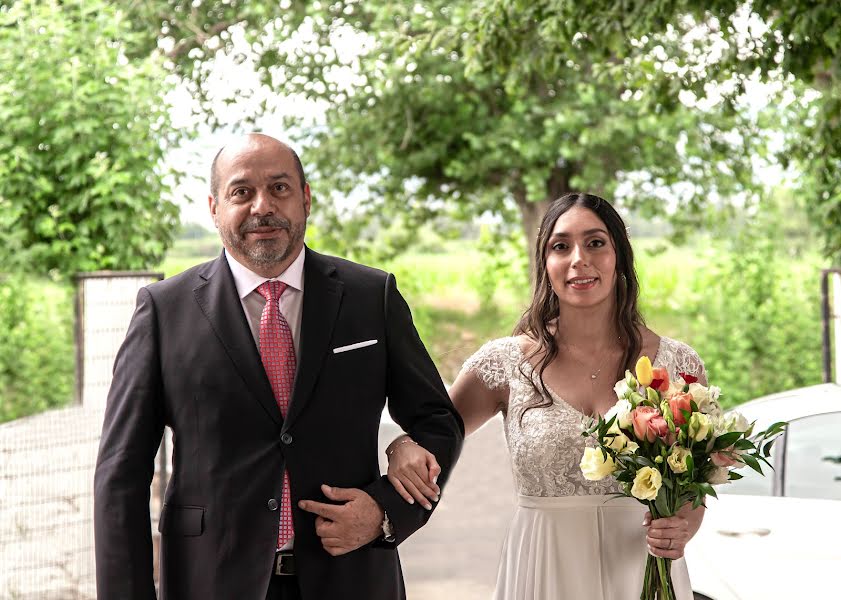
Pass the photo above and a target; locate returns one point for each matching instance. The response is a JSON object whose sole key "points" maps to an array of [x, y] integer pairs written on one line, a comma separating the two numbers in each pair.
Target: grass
{"points": [[445, 290]]}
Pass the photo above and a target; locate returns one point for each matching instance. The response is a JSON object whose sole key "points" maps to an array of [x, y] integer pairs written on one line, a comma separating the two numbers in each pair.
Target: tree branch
{"points": [[183, 46]]}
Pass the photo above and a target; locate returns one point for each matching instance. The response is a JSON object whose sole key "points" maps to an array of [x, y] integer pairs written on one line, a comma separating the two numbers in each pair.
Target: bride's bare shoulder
{"points": [[650, 342], [526, 343]]}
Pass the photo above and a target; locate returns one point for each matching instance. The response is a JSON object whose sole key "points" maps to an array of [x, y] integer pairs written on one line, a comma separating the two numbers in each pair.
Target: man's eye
{"points": [[281, 187], [239, 192]]}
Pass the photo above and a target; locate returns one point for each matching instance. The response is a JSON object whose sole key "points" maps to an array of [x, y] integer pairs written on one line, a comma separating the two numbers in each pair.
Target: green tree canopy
{"points": [[85, 128], [499, 106], [408, 121], [776, 41]]}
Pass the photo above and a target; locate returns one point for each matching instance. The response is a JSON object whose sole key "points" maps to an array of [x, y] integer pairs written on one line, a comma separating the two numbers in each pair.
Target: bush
{"points": [[757, 316], [36, 356]]}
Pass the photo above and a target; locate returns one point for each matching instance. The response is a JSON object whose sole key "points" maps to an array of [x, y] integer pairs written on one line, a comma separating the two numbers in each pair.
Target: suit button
{"points": [[272, 504], [286, 438]]}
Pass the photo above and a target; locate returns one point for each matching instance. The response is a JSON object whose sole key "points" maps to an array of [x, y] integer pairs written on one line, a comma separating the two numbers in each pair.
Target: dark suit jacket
{"points": [[189, 361]]}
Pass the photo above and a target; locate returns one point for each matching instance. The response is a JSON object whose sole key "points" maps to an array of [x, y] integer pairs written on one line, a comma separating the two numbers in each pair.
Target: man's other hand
{"points": [[345, 527]]}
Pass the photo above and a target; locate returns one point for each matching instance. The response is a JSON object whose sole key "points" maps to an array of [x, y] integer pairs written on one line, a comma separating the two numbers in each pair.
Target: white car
{"points": [[778, 536]]}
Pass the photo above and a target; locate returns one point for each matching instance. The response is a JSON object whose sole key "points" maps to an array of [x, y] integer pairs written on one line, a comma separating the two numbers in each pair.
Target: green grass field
{"points": [[443, 291]]}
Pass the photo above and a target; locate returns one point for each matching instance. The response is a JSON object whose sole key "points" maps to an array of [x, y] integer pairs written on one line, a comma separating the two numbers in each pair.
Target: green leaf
{"points": [[726, 440]]}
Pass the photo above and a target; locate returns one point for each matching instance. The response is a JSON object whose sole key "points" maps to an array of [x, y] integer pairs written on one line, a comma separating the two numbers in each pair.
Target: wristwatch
{"points": [[388, 529]]}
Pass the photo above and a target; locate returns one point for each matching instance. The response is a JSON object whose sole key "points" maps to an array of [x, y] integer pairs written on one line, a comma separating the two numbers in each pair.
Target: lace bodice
{"points": [[547, 448]]}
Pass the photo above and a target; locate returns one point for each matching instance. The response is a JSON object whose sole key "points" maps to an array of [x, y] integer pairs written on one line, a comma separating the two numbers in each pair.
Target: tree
{"points": [[421, 130], [414, 122], [85, 128], [779, 41]]}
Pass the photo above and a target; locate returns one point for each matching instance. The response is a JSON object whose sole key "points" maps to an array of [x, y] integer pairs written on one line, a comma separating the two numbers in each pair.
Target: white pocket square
{"points": [[355, 346]]}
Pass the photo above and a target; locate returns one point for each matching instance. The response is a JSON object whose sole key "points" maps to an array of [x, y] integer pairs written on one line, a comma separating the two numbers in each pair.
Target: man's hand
{"points": [[345, 527]]}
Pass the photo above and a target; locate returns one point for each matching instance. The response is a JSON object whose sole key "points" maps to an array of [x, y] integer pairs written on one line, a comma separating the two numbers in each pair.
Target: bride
{"points": [[568, 538]]}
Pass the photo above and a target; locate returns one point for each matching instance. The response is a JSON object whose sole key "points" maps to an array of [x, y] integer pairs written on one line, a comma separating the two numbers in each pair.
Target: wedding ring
{"points": [[671, 541]]}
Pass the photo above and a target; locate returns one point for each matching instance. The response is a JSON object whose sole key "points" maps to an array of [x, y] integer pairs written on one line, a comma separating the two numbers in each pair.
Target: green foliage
{"points": [[770, 40], [426, 136], [503, 262], [85, 128], [756, 315], [36, 356]]}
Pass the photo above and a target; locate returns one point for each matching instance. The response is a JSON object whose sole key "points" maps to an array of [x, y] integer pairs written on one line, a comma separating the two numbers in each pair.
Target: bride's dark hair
{"points": [[544, 307]]}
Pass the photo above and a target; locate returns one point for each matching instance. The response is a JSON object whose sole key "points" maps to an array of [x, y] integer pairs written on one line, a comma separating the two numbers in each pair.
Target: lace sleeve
{"points": [[679, 358], [493, 363]]}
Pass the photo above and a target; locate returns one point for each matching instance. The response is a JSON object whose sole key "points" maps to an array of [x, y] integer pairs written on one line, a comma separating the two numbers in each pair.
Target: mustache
{"points": [[255, 222]]}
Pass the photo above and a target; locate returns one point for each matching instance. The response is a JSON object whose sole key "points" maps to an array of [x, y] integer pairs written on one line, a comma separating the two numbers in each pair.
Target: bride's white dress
{"points": [[568, 538]]}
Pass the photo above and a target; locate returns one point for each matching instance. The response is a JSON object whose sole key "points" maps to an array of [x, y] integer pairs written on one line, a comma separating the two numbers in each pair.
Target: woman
{"points": [[568, 538]]}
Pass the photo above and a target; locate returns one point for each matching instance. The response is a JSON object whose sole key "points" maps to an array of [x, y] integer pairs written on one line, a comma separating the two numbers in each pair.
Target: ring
{"points": [[671, 541]]}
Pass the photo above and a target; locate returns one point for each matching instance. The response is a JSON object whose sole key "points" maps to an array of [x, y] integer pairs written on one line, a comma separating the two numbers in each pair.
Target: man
{"points": [[272, 365]]}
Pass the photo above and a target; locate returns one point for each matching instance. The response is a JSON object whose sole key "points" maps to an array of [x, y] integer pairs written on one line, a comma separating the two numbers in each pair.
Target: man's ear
{"points": [[307, 198], [211, 204]]}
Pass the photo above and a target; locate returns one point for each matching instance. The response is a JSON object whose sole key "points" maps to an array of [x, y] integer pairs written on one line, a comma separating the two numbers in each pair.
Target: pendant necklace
{"points": [[593, 374]]}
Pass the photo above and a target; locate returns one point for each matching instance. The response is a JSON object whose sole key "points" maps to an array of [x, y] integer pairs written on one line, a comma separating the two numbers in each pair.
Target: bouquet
{"points": [[668, 443]]}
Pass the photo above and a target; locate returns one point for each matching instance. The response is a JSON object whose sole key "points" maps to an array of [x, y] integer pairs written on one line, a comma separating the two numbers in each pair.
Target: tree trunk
{"points": [[531, 213]]}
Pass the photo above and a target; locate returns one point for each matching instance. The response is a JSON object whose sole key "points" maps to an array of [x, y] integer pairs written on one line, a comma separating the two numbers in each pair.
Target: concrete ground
{"points": [[456, 554]]}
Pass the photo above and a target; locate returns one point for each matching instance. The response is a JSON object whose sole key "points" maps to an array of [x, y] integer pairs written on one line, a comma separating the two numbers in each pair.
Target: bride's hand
{"points": [[413, 472], [667, 537]]}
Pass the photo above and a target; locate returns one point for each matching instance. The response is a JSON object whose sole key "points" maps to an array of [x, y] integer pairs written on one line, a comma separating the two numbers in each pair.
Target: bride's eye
{"points": [[597, 243], [559, 246]]}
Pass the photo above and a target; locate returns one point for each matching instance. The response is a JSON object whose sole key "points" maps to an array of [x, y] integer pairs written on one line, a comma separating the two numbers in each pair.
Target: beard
{"points": [[264, 253]]}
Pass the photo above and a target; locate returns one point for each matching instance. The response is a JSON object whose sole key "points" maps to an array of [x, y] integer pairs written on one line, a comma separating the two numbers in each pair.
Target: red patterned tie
{"points": [[278, 354]]}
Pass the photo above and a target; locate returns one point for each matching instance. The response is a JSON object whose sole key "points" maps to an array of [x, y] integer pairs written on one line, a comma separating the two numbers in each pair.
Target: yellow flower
{"points": [[677, 459], [646, 484], [645, 373], [620, 443], [595, 465]]}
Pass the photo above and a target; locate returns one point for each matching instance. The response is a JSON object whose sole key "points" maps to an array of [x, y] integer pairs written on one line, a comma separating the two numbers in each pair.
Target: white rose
{"points": [[704, 398], [718, 475], [736, 421], [699, 393], [677, 459], [647, 483], [718, 424], [622, 411], [596, 465]]}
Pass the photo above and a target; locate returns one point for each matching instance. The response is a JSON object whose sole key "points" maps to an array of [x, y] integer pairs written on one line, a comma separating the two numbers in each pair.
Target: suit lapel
{"points": [[322, 298], [217, 296]]}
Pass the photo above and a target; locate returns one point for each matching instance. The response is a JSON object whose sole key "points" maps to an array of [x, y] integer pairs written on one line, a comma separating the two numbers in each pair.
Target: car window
{"points": [[751, 483], [813, 457]]}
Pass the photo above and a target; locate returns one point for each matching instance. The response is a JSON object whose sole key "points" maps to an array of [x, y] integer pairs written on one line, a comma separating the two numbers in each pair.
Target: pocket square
{"points": [[355, 346]]}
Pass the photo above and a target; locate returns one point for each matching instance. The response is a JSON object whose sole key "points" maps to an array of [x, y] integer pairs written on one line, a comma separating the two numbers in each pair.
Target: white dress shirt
{"points": [[291, 301]]}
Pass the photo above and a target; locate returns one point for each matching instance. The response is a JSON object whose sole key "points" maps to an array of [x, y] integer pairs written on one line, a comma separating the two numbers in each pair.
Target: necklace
{"points": [[587, 368]]}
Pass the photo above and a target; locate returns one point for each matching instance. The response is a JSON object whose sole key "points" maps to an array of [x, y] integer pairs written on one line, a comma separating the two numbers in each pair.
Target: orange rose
{"points": [[678, 402], [649, 424], [663, 375]]}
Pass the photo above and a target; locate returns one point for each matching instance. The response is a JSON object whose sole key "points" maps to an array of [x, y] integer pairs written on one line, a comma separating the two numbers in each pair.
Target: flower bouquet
{"points": [[669, 442]]}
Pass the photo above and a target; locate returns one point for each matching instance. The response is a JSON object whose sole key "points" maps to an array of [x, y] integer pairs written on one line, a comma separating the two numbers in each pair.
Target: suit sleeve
{"points": [[419, 403], [131, 434]]}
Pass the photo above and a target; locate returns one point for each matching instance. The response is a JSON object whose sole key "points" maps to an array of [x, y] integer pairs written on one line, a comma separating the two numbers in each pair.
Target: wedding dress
{"points": [[568, 539]]}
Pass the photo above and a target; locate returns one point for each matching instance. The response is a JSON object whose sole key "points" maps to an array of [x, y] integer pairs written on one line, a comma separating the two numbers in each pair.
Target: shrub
{"points": [[36, 356], [757, 321]]}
